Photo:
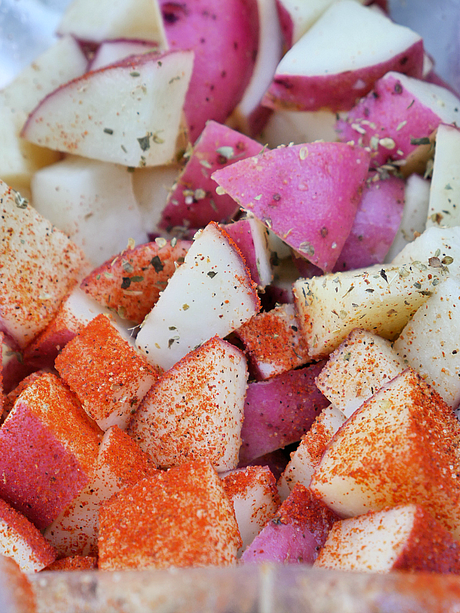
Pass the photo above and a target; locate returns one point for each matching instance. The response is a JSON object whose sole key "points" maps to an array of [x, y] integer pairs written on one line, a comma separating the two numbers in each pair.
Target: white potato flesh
{"points": [[298, 127], [430, 342], [347, 37], [39, 265], [357, 369], [128, 113], [434, 242], [59, 64], [269, 53], [372, 542], [304, 14], [398, 447], [96, 22], [444, 206], [195, 410], [306, 457], [151, 188], [111, 51], [92, 202], [413, 222], [380, 299], [19, 159], [211, 293]]}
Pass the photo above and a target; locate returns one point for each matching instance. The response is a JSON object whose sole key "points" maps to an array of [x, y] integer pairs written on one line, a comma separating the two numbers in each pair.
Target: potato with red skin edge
{"points": [[39, 265], [398, 111], [75, 312], [405, 537], [48, 450], [273, 343], [120, 462], [138, 125], [339, 59], [306, 194], [212, 293], [227, 33], [181, 518], [279, 411], [193, 202], [195, 409], [376, 223], [253, 494], [399, 447], [106, 373], [111, 51], [296, 532], [130, 283], [251, 236]]}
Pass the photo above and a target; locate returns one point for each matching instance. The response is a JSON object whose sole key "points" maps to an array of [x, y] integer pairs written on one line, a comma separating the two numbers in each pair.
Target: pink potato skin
{"points": [[225, 38], [279, 411], [307, 194], [286, 24], [40, 476], [184, 209], [240, 232], [341, 91], [285, 543], [390, 111], [376, 223]]}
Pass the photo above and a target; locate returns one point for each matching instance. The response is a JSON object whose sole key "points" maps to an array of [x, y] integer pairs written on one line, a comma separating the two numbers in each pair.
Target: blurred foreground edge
{"points": [[245, 589]]}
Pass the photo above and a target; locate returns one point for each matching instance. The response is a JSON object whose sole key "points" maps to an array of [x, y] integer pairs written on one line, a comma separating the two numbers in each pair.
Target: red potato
{"points": [[95, 23], [212, 293], [195, 410], [193, 201], [253, 494], [339, 59], [306, 194], [75, 312], [23, 542], [39, 265], [400, 111], [377, 221], [251, 236], [112, 51], [296, 532], [308, 454], [226, 32], [48, 450], [250, 116], [120, 462], [273, 342], [128, 113], [279, 411], [358, 368], [130, 283], [180, 518], [81, 196], [107, 374], [399, 447], [397, 538], [19, 159], [11, 397], [59, 64]]}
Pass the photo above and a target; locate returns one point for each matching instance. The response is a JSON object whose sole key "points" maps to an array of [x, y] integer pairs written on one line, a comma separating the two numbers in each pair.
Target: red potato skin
{"points": [[338, 92], [286, 24], [225, 38], [307, 194], [240, 232], [188, 208], [296, 532], [279, 411], [387, 108], [376, 223]]}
